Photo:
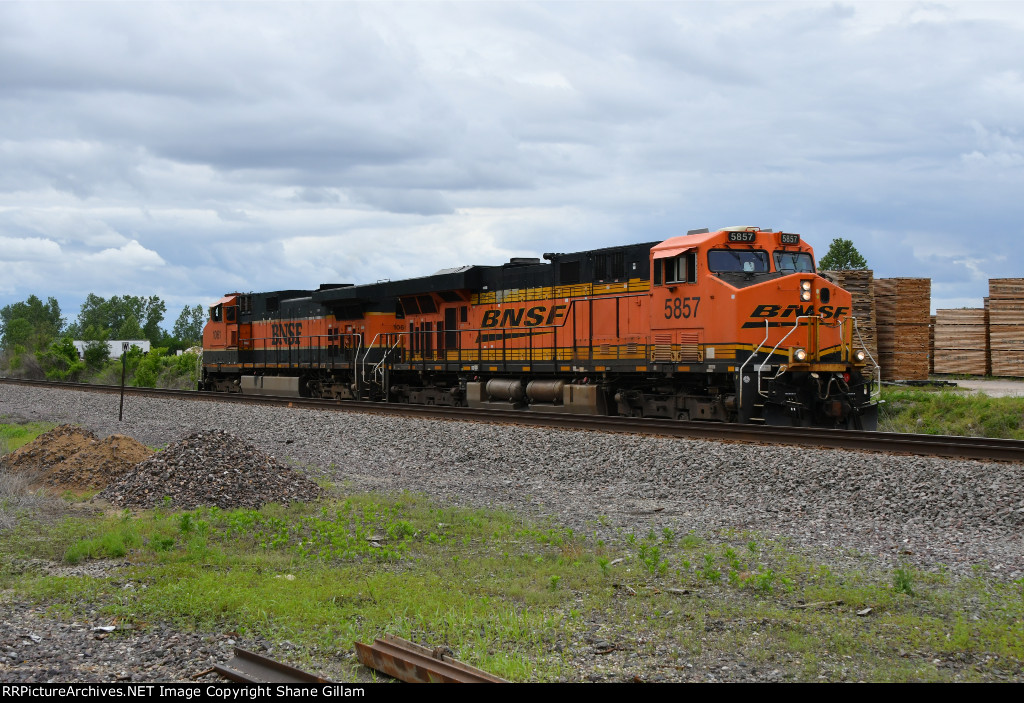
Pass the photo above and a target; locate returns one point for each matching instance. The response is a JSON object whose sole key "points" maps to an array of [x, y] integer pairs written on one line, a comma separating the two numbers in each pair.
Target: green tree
{"points": [[188, 330], [842, 256], [32, 323], [60, 361], [123, 317]]}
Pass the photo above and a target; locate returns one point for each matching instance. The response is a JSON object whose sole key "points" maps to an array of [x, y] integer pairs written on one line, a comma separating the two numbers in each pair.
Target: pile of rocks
{"points": [[70, 458], [210, 468]]}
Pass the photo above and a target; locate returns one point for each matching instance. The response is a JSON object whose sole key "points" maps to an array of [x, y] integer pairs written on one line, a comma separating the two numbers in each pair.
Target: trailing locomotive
{"points": [[731, 326]]}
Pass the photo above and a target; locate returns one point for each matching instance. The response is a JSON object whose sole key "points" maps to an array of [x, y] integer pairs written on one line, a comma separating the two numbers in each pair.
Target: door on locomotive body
{"points": [[678, 309]]}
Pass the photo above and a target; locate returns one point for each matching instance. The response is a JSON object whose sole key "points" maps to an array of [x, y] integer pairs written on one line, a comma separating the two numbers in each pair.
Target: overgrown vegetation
{"points": [[16, 499], [15, 435], [524, 599], [948, 412], [36, 343]]}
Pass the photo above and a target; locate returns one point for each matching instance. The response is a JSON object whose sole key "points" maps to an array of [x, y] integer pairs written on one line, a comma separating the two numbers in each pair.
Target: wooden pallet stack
{"points": [[931, 344], [860, 285], [960, 341], [1006, 326], [988, 338], [903, 311]]}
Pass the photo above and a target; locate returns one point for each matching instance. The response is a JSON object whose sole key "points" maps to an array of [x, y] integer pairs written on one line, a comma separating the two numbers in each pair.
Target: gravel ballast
{"points": [[842, 506], [907, 509]]}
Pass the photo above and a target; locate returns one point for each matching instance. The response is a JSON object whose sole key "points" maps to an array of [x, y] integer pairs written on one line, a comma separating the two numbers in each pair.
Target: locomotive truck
{"points": [[732, 325]]}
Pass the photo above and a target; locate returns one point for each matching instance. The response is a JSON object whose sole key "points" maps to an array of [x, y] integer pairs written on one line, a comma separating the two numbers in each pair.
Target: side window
{"points": [[682, 268], [230, 313], [215, 313]]}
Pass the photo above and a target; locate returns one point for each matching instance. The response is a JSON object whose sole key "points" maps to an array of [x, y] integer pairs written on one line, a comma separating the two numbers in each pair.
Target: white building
{"points": [[115, 346]]}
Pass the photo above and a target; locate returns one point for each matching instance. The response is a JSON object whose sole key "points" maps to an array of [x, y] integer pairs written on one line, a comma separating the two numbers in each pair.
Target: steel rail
{"points": [[410, 662], [979, 448], [249, 667]]}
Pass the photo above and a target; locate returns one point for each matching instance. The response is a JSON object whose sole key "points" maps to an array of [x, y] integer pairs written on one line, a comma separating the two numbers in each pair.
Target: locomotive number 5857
{"points": [[681, 308]]}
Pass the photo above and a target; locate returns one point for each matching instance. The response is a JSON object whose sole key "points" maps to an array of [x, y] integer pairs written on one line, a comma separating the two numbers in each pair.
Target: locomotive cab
{"points": [[744, 308], [222, 327]]}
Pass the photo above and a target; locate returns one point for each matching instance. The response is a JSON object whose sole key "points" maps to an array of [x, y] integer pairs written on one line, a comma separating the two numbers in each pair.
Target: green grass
{"points": [[949, 412], [14, 436], [516, 597]]}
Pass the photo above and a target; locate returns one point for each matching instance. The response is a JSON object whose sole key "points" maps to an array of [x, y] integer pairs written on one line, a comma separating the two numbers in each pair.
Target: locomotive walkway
{"points": [[980, 448]]}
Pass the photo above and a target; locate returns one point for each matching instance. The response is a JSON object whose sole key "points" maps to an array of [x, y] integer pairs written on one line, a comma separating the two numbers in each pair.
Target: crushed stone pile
{"points": [[210, 468], [73, 458]]}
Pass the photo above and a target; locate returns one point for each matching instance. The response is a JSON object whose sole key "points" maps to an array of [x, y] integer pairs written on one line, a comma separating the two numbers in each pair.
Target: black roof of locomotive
{"points": [[467, 277], [518, 273]]}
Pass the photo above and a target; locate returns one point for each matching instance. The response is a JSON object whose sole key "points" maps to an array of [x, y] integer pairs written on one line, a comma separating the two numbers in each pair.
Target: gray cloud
{"points": [[208, 147]]}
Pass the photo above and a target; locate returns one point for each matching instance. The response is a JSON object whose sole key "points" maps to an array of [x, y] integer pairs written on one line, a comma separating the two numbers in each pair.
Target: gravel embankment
{"points": [[924, 511], [838, 504]]}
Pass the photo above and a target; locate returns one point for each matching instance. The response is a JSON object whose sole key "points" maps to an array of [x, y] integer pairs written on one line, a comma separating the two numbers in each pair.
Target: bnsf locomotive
{"points": [[732, 325]]}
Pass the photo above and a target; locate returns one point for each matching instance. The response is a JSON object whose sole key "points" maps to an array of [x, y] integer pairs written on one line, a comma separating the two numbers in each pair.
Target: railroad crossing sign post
{"points": [[124, 362]]}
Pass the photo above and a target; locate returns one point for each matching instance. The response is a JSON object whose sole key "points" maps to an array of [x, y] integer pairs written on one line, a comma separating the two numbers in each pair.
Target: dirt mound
{"points": [[210, 468], [73, 458]]}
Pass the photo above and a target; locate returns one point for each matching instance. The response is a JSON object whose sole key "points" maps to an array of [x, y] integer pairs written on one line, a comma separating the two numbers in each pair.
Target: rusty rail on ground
{"points": [[249, 667], [410, 662]]}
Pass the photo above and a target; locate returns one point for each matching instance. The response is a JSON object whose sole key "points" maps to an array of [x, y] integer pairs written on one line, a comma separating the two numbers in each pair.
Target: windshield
{"points": [[793, 262], [743, 260]]}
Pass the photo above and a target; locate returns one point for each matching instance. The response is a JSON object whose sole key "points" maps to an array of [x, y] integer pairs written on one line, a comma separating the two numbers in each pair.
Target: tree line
{"points": [[36, 341]]}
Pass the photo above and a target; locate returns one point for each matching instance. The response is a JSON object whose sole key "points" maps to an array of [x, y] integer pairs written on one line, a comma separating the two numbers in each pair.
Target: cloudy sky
{"points": [[191, 149]]}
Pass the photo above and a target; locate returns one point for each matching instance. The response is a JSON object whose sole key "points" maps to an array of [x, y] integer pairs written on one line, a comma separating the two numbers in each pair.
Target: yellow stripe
{"points": [[578, 290]]}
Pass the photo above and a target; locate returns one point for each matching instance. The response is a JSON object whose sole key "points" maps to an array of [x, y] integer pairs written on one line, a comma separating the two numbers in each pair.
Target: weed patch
{"points": [[525, 599]]}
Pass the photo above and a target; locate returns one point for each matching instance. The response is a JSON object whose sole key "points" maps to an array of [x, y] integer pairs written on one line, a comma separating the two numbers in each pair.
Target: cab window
{"points": [[793, 262], [682, 268], [741, 260], [216, 313]]}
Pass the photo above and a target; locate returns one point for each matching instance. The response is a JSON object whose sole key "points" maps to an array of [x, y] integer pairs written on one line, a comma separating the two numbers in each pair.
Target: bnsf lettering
{"points": [[512, 318], [523, 317], [764, 312], [286, 333], [798, 311]]}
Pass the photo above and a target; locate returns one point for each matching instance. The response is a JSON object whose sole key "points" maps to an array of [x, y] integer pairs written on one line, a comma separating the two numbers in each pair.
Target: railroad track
{"points": [[980, 448]]}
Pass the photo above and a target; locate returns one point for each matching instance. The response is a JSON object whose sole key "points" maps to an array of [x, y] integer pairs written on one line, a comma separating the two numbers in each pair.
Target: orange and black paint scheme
{"points": [[732, 325]]}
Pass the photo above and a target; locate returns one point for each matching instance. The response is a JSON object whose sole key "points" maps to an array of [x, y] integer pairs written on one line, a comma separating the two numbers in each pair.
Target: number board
{"points": [[742, 236], [785, 238]]}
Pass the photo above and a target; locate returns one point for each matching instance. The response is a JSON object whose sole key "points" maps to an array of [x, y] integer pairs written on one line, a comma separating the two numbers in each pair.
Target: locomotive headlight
{"points": [[861, 355], [800, 354], [805, 291], [805, 285]]}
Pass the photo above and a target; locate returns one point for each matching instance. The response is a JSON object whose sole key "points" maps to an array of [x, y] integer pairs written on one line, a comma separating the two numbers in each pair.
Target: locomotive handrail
{"points": [[878, 369], [384, 357], [747, 361], [368, 348], [796, 326]]}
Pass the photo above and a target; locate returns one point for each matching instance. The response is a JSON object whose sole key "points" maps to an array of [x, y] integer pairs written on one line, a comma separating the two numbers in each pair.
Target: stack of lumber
{"points": [[903, 311], [1006, 326], [860, 285], [988, 338], [931, 344], [960, 345]]}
